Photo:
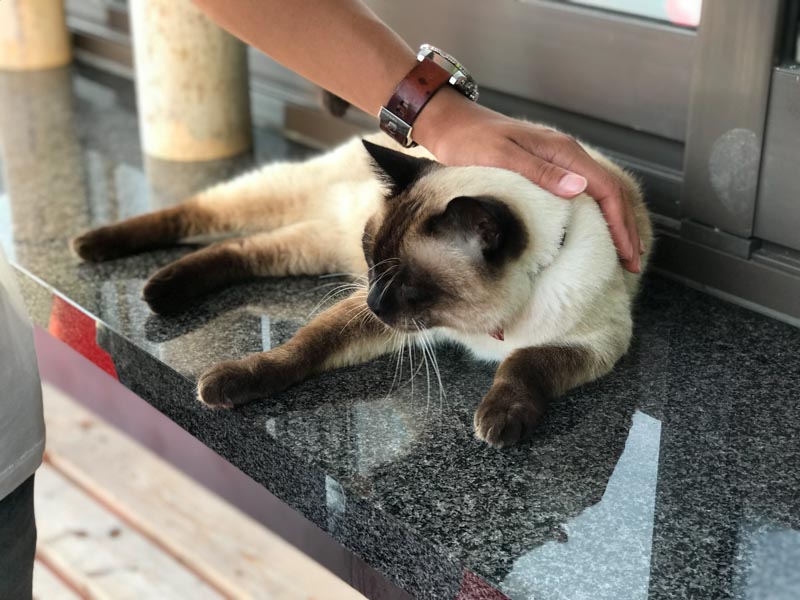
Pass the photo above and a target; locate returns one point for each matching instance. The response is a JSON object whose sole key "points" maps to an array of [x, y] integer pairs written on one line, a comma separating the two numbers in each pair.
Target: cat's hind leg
{"points": [[308, 248], [159, 229], [345, 334], [268, 198], [239, 206]]}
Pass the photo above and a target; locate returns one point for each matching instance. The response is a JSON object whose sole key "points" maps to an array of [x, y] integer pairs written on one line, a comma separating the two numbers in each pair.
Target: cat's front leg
{"points": [[524, 384], [346, 334]]}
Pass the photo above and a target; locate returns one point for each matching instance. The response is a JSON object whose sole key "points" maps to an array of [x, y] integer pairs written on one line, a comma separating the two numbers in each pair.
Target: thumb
{"points": [[552, 178]]}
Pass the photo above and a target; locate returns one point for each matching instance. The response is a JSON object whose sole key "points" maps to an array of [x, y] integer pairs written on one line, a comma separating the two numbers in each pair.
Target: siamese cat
{"points": [[475, 255]]}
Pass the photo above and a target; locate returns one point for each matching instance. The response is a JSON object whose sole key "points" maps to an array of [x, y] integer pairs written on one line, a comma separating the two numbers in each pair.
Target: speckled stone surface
{"points": [[677, 476]]}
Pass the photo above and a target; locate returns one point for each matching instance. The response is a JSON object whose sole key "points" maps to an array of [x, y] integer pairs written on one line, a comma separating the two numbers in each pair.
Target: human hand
{"points": [[460, 133]]}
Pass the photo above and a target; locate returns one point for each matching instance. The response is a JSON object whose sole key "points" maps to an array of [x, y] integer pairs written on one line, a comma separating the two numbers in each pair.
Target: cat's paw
{"points": [[236, 382], [228, 384], [506, 415], [98, 245], [170, 290]]}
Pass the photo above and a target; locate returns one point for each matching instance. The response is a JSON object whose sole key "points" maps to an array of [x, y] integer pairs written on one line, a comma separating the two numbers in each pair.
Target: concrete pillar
{"points": [[170, 182], [33, 35], [191, 83]]}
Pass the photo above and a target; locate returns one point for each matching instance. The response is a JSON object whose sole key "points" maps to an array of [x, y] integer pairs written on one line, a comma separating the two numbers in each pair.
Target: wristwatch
{"points": [[459, 76], [434, 69]]}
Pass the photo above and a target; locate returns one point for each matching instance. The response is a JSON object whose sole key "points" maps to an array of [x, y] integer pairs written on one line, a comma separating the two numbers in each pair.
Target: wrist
{"points": [[445, 110], [426, 98]]}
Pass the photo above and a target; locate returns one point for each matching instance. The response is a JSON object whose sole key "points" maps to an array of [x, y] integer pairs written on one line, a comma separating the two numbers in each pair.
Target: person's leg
{"points": [[17, 542]]}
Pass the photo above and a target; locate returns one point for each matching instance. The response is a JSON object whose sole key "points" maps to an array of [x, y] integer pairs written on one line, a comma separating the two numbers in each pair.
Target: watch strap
{"points": [[409, 98]]}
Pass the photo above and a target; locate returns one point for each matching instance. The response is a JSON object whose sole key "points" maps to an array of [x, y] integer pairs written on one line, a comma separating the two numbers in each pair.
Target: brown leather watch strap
{"points": [[410, 96]]}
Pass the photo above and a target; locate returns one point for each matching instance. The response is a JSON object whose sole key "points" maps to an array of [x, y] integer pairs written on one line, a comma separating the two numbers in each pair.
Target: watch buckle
{"points": [[396, 127]]}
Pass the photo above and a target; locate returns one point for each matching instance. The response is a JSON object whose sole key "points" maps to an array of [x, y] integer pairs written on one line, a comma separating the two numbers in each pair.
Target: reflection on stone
{"points": [[605, 551], [768, 560], [41, 155], [266, 333]]}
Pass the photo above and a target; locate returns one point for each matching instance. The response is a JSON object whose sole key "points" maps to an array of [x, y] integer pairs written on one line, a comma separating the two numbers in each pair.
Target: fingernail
{"points": [[628, 253], [641, 247], [571, 184]]}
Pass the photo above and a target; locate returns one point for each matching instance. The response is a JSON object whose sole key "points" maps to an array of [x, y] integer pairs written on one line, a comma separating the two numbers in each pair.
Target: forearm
{"points": [[343, 47], [338, 44]]}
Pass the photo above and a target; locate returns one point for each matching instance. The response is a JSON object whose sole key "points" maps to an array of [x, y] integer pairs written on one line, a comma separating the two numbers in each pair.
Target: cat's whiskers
{"points": [[398, 339], [435, 363], [361, 313], [342, 287], [412, 338], [410, 363], [384, 261], [402, 357], [427, 370], [380, 278], [387, 286], [387, 271], [359, 293]]}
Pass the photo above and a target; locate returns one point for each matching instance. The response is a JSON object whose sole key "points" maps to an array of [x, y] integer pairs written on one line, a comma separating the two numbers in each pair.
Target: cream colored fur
{"points": [[575, 295]]}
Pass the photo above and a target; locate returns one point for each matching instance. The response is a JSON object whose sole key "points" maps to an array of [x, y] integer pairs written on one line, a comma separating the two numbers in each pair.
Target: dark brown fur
{"points": [[300, 248], [174, 287], [345, 333], [523, 386], [140, 234]]}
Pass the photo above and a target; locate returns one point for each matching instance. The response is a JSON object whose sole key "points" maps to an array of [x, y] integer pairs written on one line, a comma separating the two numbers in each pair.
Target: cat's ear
{"points": [[395, 169], [485, 222]]}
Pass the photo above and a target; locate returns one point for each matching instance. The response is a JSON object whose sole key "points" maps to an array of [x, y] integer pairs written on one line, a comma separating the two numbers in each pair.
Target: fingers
{"points": [[547, 175], [615, 209], [622, 226], [550, 159], [632, 264], [561, 154]]}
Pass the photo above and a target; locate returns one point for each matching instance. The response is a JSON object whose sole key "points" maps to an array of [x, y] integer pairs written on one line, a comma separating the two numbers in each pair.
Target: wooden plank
{"points": [[229, 549], [47, 586], [110, 559]]}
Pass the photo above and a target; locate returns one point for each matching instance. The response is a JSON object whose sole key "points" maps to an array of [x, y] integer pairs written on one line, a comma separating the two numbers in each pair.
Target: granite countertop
{"points": [[677, 476]]}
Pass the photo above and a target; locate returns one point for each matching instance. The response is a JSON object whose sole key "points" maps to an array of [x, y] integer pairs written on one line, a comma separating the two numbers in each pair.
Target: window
{"points": [[677, 12]]}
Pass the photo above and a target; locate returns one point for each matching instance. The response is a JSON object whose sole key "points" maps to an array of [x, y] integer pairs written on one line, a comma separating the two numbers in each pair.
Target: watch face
{"points": [[461, 79], [433, 53]]}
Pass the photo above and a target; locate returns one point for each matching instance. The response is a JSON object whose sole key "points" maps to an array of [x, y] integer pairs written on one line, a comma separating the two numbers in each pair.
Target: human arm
{"points": [[342, 46]]}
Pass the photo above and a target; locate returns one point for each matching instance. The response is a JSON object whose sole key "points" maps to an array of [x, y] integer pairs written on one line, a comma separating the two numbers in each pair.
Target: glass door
{"points": [[699, 98], [778, 210], [676, 12], [612, 66]]}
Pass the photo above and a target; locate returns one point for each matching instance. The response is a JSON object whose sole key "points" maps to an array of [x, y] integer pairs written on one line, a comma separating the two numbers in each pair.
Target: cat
{"points": [[479, 256]]}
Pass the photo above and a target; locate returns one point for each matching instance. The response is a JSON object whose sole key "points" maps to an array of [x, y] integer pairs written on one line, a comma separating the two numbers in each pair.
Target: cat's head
{"points": [[447, 247]]}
